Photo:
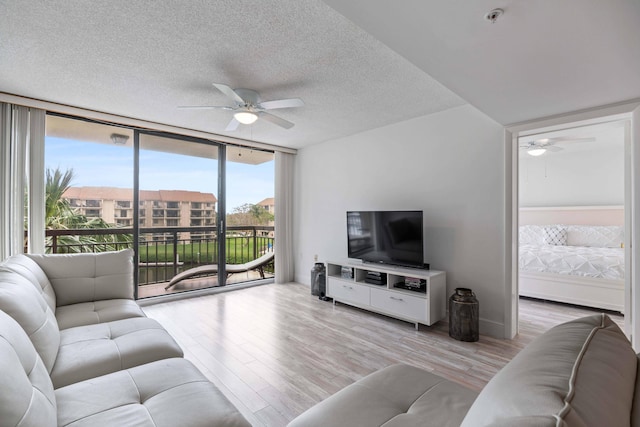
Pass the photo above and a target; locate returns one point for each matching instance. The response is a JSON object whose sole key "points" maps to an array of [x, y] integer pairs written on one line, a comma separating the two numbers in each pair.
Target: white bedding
{"points": [[607, 263]]}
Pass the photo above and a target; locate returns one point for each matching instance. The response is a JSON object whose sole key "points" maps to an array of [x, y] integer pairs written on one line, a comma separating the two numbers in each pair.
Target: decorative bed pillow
{"points": [[555, 236], [531, 234], [598, 236]]}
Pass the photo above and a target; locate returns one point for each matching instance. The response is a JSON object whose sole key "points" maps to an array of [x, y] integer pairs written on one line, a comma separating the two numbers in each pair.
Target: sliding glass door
{"points": [[177, 214], [199, 214]]}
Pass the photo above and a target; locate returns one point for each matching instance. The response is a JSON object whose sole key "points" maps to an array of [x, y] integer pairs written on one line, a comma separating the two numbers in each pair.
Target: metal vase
{"points": [[464, 315], [318, 280]]}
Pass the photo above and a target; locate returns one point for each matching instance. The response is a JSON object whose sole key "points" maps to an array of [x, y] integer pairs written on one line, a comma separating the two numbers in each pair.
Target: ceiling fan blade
{"points": [[569, 139], [282, 103], [275, 120], [204, 107], [229, 92], [552, 148], [233, 125]]}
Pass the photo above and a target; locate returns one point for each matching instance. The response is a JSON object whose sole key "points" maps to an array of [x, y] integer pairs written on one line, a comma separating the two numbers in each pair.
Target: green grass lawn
{"points": [[238, 250]]}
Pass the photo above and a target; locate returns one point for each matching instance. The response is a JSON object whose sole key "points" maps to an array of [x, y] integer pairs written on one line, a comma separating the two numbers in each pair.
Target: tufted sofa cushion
{"points": [[27, 397], [89, 313], [166, 393], [579, 373], [86, 277], [94, 350], [399, 395]]}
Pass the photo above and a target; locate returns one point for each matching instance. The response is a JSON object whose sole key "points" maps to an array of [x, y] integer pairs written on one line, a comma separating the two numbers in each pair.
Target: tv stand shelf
{"points": [[425, 306]]}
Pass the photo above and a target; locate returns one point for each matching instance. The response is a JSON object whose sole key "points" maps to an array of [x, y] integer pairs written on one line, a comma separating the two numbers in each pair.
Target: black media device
{"points": [[386, 237], [375, 278]]}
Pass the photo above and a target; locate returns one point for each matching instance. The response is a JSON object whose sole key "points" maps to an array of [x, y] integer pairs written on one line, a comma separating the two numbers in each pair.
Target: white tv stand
{"points": [[388, 299]]}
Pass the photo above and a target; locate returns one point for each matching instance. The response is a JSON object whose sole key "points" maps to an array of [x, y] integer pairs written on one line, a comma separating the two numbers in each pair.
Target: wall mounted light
{"points": [[119, 139]]}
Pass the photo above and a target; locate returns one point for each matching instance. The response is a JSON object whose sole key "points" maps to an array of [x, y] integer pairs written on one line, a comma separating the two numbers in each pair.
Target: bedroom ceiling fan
{"points": [[538, 147], [248, 107]]}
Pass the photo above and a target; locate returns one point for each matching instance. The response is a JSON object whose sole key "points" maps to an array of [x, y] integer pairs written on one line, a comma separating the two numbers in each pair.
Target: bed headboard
{"points": [[576, 215]]}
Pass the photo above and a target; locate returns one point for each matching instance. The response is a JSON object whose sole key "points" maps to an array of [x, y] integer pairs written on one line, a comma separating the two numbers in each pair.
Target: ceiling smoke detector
{"points": [[493, 15]]}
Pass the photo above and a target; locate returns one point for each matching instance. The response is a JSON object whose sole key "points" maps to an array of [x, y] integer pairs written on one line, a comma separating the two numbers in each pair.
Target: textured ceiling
{"points": [[144, 58], [540, 58]]}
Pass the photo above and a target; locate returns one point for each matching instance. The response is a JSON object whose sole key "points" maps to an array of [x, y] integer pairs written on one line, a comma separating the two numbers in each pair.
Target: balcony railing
{"points": [[165, 251]]}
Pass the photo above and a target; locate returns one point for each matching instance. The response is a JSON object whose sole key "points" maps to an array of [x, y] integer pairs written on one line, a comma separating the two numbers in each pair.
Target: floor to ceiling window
{"points": [[163, 195], [89, 186], [250, 210]]}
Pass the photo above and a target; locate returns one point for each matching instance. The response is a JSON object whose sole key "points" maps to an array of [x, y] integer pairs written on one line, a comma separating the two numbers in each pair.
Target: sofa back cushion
{"points": [[88, 277], [27, 397], [579, 373], [29, 269], [20, 300]]}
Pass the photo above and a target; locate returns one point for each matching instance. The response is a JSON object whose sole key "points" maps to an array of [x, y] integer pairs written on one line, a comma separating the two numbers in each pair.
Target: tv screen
{"points": [[387, 237]]}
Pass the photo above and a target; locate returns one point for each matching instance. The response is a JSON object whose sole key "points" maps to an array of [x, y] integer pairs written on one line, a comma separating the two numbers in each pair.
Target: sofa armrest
{"points": [[88, 277], [398, 395]]}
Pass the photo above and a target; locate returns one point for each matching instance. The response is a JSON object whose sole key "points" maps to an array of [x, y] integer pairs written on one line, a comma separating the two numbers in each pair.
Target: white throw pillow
{"points": [[531, 235], [602, 236]]}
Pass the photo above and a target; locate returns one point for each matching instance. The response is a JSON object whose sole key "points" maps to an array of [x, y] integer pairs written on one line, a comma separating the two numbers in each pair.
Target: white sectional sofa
{"points": [[581, 373], [76, 349]]}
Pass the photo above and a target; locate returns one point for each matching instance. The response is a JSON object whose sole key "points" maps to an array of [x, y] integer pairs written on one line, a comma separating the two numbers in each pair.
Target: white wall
{"points": [[574, 178], [449, 164]]}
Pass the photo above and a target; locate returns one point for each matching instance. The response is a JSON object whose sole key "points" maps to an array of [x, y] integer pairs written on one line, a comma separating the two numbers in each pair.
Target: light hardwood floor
{"points": [[275, 350]]}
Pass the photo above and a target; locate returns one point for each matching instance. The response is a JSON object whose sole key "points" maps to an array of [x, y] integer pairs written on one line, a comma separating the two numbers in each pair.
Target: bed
{"points": [[574, 260]]}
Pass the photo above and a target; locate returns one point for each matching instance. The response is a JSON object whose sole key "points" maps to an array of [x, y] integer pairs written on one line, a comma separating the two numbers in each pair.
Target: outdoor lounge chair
{"points": [[256, 264]]}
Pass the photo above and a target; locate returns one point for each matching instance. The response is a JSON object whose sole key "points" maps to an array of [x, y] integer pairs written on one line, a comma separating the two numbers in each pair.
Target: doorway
{"points": [[630, 114], [571, 219]]}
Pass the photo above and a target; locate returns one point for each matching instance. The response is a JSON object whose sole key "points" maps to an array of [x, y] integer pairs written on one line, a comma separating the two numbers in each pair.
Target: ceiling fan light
{"points": [[245, 117], [536, 151]]}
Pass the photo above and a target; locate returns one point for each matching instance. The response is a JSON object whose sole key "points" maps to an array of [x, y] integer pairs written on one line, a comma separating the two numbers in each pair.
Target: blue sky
{"points": [[112, 166]]}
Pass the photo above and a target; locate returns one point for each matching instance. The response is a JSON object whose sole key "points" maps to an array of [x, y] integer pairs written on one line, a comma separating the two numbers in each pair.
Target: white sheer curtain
{"points": [[284, 217], [36, 183], [21, 137]]}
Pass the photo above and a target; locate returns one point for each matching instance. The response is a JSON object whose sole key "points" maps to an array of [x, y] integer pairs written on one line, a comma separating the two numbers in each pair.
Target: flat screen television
{"points": [[386, 237]]}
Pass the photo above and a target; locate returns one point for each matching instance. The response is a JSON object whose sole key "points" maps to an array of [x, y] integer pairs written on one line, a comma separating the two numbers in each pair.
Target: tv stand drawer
{"points": [[348, 291], [400, 304]]}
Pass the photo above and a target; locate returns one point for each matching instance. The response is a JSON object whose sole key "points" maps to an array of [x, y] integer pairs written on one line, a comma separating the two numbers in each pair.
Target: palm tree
{"points": [[57, 209], [59, 215]]}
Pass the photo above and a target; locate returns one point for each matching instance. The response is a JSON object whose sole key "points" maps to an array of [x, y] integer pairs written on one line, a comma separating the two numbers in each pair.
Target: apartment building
{"points": [[269, 204], [158, 208]]}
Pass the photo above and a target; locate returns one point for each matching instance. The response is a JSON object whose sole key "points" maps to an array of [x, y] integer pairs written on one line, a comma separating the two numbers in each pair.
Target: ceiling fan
{"points": [[248, 107], [538, 147]]}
